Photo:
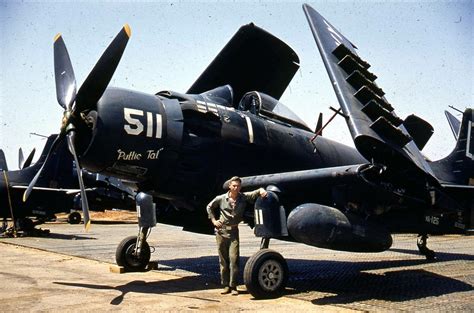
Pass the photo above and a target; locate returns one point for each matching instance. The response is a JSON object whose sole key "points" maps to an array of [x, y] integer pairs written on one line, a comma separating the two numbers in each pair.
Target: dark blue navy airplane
{"points": [[56, 191], [179, 149]]}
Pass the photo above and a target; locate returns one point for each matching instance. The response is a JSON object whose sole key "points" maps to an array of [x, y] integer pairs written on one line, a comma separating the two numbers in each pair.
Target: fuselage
{"points": [[185, 149], [182, 148]]}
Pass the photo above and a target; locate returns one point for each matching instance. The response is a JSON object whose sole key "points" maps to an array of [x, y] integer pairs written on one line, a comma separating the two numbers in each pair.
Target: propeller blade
{"points": [[29, 159], [21, 158], [85, 205], [97, 81], [53, 147], [64, 74]]}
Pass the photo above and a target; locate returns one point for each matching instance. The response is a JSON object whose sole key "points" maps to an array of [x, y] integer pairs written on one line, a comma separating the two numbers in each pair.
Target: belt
{"points": [[230, 227]]}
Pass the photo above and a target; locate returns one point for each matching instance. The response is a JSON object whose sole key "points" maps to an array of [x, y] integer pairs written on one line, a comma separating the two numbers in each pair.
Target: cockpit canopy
{"points": [[262, 104], [222, 95], [255, 102]]}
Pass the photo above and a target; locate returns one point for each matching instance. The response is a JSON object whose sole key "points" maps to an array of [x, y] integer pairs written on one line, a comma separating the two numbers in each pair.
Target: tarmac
{"points": [[69, 271]]}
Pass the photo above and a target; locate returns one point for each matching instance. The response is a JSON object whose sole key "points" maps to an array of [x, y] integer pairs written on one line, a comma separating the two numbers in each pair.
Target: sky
{"points": [[422, 52]]}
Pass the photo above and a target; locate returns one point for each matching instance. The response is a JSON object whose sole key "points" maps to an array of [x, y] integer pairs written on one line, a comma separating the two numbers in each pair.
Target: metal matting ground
{"points": [[395, 280]]}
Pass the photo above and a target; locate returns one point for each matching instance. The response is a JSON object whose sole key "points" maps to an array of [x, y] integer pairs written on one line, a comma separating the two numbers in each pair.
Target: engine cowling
{"points": [[326, 227], [134, 136]]}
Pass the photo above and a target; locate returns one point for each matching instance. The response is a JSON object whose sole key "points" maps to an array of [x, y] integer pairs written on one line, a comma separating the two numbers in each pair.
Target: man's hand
{"points": [[263, 192], [217, 224]]}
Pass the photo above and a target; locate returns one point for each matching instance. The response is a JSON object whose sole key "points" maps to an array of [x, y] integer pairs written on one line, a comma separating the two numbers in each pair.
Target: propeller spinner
{"points": [[74, 103]]}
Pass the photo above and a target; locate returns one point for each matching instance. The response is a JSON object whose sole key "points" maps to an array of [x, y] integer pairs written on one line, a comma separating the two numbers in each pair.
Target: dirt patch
{"points": [[106, 216]]}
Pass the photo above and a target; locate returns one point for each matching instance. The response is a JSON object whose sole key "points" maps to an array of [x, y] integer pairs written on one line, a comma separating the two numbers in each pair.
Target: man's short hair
{"points": [[235, 178]]}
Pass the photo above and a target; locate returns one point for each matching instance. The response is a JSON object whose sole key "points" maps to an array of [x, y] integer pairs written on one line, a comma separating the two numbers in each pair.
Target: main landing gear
{"points": [[421, 243], [266, 273], [133, 252]]}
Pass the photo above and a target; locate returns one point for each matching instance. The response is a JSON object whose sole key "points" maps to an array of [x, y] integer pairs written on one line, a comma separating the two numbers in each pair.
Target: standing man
{"points": [[226, 212]]}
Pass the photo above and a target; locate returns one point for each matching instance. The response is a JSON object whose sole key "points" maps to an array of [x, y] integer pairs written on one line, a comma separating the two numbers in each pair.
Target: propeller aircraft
{"points": [[56, 190], [179, 149]]}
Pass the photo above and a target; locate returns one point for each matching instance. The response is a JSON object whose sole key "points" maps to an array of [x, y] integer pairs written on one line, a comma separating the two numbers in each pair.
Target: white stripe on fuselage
{"points": [[250, 128], [468, 141]]}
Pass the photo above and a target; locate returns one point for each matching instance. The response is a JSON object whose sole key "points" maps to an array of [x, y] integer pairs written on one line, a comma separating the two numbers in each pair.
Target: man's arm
{"points": [[253, 195], [211, 211]]}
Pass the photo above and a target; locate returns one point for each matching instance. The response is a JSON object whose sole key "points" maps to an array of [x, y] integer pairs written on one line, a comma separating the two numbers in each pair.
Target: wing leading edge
{"points": [[378, 133]]}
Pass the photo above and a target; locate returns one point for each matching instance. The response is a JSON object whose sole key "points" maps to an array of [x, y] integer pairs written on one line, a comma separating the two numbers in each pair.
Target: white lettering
{"points": [[130, 156], [149, 124], [138, 126], [432, 220], [159, 125], [153, 154], [135, 127]]}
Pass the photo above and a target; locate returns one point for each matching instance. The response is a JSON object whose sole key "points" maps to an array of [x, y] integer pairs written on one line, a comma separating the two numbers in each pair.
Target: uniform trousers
{"points": [[229, 256]]}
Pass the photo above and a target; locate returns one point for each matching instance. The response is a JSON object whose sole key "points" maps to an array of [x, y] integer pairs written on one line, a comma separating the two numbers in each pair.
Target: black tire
{"points": [[74, 218], [124, 255], [266, 274]]}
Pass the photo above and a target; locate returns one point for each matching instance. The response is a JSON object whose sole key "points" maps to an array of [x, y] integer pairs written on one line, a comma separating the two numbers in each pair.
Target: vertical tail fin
{"points": [[3, 161], [454, 123], [458, 167]]}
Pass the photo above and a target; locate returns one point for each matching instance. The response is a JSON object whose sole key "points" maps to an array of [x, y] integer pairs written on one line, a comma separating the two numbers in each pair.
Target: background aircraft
{"points": [[180, 148], [56, 191], [22, 162], [3, 161]]}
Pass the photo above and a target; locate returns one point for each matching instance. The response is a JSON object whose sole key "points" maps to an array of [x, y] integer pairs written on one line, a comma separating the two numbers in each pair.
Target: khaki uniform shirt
{"points": [[222, 206]]}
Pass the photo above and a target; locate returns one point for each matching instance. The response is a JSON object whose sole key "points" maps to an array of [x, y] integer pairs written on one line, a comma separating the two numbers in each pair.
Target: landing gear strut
{"points": [[133, 252], [266, 273], [421, 243]]}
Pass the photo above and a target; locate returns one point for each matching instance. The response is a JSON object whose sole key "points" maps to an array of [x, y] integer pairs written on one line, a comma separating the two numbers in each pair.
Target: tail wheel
{"points": [[266, 274], [74, 218], [125, 255]]}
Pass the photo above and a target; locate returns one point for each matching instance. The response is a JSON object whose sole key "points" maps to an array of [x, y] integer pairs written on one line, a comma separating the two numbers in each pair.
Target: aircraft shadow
{"points": [[69, 237], [349, 281], [440, 256], [178, 285], [346, 281]]}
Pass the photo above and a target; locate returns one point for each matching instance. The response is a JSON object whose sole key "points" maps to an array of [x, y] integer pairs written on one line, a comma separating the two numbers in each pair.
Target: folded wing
{"points": [[378, 133], [252, 60]]}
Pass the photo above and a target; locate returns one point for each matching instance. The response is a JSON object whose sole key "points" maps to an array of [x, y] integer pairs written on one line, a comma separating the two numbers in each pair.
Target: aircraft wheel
{"points": [[266, 274], [74, 218], [124, 255]]}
